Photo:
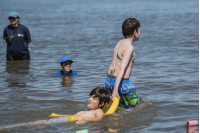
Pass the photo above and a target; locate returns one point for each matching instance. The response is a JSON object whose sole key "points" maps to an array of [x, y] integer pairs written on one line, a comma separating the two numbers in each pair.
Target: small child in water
{"points": [[98, 97], [65, 64]]}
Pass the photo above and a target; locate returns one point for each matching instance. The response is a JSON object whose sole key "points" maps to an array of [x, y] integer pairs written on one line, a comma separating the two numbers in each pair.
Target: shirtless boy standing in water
{"points": [[117, 82], [98, 97]]}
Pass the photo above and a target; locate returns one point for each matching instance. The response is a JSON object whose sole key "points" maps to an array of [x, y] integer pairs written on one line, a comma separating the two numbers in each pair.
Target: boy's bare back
{"points": [[123, 52]]}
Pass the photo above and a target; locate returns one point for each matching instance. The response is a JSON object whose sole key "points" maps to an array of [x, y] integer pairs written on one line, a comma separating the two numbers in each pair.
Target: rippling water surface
{"points": [[165, 73]]}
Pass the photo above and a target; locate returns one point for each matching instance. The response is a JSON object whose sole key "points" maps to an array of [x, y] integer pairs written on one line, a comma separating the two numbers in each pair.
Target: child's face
{"points": [[93, 102], [66, 66]]}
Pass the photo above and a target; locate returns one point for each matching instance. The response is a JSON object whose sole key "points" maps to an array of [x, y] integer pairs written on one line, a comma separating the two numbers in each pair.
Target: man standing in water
{"points": [[117, 82], [17, 37]]}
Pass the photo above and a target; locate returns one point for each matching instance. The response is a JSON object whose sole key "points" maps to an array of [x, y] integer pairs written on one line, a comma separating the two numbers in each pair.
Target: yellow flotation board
{"points": [[111, 110], [113, 107]]}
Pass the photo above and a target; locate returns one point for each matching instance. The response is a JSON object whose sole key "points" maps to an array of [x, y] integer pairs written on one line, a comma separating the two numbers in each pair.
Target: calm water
{"points": [[165, 73]]}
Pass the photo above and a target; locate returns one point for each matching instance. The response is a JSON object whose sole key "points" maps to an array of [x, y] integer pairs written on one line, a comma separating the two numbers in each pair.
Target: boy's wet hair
{"points": [[102, 94], [129, 26]]}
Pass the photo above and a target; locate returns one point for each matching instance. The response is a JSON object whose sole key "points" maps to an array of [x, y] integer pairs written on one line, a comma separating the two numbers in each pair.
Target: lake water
{"points": [[165, 72]]}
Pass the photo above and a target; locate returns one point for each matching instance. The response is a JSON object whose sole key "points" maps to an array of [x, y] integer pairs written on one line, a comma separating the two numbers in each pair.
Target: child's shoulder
{"points": [[60, 72], [126, 45], [99, 111], [125, 42], [72, 72]]}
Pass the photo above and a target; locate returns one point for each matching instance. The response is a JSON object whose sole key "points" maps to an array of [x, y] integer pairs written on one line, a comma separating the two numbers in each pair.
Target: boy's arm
{"points": [[125, 60]]}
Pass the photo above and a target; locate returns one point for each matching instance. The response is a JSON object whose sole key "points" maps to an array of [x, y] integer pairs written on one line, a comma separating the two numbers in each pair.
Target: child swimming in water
{"points": [[98, 97], [65, 64]]}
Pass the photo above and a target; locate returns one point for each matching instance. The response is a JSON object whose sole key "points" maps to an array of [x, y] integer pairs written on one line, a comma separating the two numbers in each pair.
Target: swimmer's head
{"points": [[129, 26], [101, 94], [65, 64]]}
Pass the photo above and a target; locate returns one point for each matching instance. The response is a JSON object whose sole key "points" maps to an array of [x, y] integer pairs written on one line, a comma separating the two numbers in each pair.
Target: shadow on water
{"points": [[18, 73], [67, 81]]}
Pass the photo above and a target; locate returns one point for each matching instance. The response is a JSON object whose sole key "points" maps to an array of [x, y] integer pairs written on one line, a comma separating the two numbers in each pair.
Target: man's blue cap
{"points": [[13, 14], [63, 59]]}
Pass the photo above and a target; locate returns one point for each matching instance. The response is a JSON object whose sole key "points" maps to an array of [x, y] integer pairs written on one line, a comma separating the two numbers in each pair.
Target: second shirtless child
{"points": [[98, 97], [117, 82]]}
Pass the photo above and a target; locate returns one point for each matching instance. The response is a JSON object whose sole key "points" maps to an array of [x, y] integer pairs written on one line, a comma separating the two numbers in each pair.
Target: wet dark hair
{"points": [[129, 26], [102, 94]]}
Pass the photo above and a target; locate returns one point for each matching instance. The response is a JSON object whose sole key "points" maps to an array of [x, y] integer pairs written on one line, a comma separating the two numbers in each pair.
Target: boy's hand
{"points": [[115, 94], [81, 122]]}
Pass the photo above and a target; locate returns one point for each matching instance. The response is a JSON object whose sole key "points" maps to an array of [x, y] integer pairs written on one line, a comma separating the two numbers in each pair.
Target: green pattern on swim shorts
{"points": [[130, 99], [110, 93]]}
